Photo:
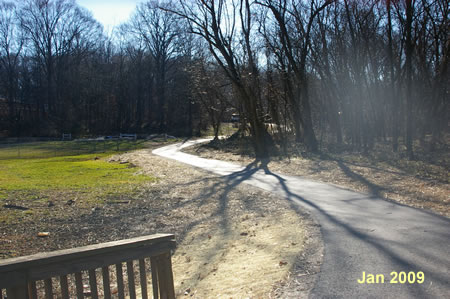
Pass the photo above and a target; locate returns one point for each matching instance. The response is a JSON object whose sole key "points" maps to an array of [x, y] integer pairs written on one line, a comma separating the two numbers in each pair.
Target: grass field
{"points": [[52, 173], [65, 148]]}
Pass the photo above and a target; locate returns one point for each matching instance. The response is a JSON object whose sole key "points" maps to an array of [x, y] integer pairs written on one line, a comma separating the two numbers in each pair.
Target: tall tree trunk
{"points": [[334, 114], [262, 141], [395, 101], [310, 136], [408, 67], [160, 91]]}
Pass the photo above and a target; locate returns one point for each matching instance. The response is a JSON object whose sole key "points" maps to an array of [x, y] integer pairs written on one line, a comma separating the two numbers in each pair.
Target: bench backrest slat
{"points": [[120, 285], [64, 286], [130, 272], [79, 284], [93, 284], [48, 285], [143, 278], [106, 282]]}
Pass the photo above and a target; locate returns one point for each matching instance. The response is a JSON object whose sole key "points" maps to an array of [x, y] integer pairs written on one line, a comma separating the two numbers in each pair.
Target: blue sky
{"points": [[110, 12]]}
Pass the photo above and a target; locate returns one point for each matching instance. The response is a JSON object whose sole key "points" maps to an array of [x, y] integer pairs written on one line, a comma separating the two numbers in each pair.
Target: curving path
{"points": [[361, 233]]}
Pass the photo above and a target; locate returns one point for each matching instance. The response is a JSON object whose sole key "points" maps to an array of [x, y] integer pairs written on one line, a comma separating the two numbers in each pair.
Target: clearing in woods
{"points": [[233, 240]]}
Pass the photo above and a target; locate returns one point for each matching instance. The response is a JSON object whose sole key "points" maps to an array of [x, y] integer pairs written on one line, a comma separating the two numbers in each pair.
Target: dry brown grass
{"points": [[234, 241], [423, 183], [238, 241]]}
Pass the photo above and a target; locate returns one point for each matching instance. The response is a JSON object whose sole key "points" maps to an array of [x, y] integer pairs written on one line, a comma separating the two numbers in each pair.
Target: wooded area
{"points": [[351, 72]]}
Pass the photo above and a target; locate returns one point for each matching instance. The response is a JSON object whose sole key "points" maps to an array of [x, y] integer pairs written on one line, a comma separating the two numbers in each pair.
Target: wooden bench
{"points": [[64, 271], [128, 136], [67, 136]]}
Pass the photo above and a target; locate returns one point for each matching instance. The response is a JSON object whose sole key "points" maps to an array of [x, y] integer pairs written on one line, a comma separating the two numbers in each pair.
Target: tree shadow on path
{"points": [[376, 243]]}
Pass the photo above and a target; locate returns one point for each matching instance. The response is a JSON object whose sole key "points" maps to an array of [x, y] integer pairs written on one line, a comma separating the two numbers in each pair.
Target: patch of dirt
{"points": [[422, 183], [233, 240], [238, 241]]}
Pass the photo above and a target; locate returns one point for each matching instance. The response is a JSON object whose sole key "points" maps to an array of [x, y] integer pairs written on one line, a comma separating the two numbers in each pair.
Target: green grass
{"points": [[64, 148], [28, 181], [72, 172]]}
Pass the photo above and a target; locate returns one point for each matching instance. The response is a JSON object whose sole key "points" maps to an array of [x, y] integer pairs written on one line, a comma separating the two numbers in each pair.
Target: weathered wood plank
{"points": [[106, 283], [93, 284], [79, 285], [48, 286], [165, 277], [74, 253], [46, 257], [143, 279], [32, 290], [64, 287], [94, 260], [15, 272], [154, 269], [120, 286], [131, 284]]}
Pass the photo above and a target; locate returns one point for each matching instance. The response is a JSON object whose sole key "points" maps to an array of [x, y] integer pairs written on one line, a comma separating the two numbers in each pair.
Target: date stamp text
{"points": [[395, 277]]}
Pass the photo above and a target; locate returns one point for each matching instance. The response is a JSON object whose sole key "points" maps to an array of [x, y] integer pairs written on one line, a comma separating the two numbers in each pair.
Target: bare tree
{"points": [[55, 29], [210, 88], [159, 31], [392, 75], [294, 27], [227, 27], [409, 47], [360, 70], [322, 62], [431, 56], [11, 45]]}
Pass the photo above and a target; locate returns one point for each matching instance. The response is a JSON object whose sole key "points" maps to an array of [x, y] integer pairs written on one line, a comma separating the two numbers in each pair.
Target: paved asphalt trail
{"points": [[360, 233]]}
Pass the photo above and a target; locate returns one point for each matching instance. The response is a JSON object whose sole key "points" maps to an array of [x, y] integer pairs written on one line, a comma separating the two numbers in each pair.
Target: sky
{"points": [[110, 12]]}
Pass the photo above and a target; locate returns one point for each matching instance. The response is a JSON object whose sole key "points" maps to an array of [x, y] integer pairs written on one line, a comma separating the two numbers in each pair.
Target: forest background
{"points": [[320, 73]]}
